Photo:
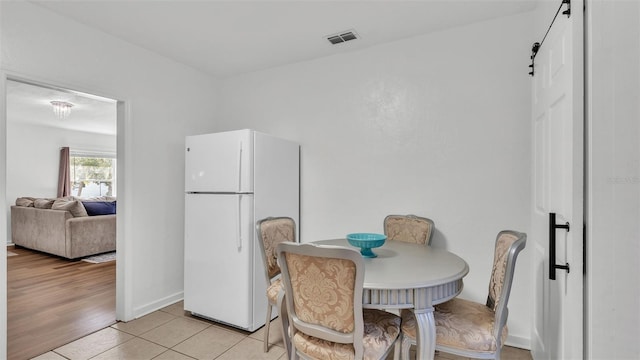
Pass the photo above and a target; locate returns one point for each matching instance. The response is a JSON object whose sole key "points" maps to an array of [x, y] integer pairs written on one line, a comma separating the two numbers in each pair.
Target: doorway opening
{"points": [[35, 133]]}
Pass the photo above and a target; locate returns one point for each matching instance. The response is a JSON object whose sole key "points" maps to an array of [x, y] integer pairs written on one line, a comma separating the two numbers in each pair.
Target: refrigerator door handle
{"points": [[240, 167], [239, 219]]}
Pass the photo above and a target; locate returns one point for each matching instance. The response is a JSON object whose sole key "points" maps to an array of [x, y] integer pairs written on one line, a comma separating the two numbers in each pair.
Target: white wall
{"points": [[163, 101], [34, 156], [613, 189], [436, 125]]}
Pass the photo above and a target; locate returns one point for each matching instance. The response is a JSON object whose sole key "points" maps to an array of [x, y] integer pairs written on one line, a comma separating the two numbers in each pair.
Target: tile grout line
{"points": [[211, 325], [171, 348], [179, 352], [113, 347], [155, 327], [190, 357]]}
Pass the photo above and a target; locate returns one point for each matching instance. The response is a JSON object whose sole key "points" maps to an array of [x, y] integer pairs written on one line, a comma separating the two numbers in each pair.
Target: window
{"points": [[92, 174]]}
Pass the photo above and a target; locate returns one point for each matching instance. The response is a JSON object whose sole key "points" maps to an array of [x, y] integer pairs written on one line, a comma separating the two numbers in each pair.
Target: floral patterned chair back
{"points": [[323, 287], [409, 228], [272, 231], [470, 329], [506, 249]]}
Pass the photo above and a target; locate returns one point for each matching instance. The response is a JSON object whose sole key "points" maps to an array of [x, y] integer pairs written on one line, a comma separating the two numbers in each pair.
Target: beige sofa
{"points": [[66, 230]]}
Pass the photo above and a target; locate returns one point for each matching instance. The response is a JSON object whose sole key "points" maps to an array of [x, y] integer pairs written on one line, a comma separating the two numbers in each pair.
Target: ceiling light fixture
{"points": [[62, 109]]}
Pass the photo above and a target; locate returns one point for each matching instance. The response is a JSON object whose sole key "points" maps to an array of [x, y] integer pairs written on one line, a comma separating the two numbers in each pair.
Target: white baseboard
{"points": [[519, 342], [157, 305]]}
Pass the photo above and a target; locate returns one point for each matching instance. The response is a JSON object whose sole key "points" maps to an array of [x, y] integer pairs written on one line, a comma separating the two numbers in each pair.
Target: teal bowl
{"points": [[366, 242]]}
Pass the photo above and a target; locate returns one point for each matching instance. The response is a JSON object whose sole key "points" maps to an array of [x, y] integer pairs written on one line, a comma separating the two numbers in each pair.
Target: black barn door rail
{"points": [[536, 45]]}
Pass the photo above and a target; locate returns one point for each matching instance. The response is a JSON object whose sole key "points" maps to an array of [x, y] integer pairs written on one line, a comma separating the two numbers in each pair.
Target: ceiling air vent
{"points": [[342, 37]]}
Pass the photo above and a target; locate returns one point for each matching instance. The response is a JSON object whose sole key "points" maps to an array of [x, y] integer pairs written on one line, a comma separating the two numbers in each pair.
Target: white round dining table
{"points": [[411, 276]]}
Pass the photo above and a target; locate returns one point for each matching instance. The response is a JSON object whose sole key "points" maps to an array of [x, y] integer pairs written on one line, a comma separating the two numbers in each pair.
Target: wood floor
{"points": [[52, 301]]}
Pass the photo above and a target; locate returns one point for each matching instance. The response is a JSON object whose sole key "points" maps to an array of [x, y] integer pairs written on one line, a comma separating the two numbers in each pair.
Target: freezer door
{"points": [[220, 162], [219, 257]]}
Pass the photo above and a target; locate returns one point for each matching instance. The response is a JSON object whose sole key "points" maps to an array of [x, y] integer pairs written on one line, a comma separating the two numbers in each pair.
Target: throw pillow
{"points": [[75, 207], [25, 201], [43, 203], [100, 207]]}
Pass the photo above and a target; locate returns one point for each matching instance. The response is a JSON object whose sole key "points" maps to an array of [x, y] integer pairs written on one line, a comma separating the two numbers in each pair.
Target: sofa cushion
{"points": [[25, 201], [75, 207], [94, 208], [43, 203], [95, 198]]}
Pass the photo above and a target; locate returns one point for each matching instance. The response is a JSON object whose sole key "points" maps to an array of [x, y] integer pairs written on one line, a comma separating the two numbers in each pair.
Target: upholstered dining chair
{"points": [[408, 228], [323, 297], [272, 231], [471, 329]]}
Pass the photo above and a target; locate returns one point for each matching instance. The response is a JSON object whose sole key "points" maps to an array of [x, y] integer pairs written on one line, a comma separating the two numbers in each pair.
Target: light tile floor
{"points": [[172, 334]]}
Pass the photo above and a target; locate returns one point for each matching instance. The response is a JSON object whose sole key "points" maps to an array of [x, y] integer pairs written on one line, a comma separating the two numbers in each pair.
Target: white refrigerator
{"points": [[232, 180]]}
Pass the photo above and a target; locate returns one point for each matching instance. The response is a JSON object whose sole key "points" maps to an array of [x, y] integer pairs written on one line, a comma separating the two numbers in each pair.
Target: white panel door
{"points": [[219, 254], [558, 173], [219, 162]]}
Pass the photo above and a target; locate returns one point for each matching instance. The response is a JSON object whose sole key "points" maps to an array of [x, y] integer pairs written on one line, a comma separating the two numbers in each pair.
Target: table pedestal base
{"points": [[421, 302]]}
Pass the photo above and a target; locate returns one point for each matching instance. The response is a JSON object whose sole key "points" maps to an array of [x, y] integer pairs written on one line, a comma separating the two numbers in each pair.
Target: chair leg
{"points": [[267, 324], [406, 346], [286, 331], [397, 348]]}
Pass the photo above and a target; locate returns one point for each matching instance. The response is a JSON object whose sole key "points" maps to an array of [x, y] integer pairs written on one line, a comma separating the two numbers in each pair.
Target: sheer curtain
{"points": [[64, 181]]}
